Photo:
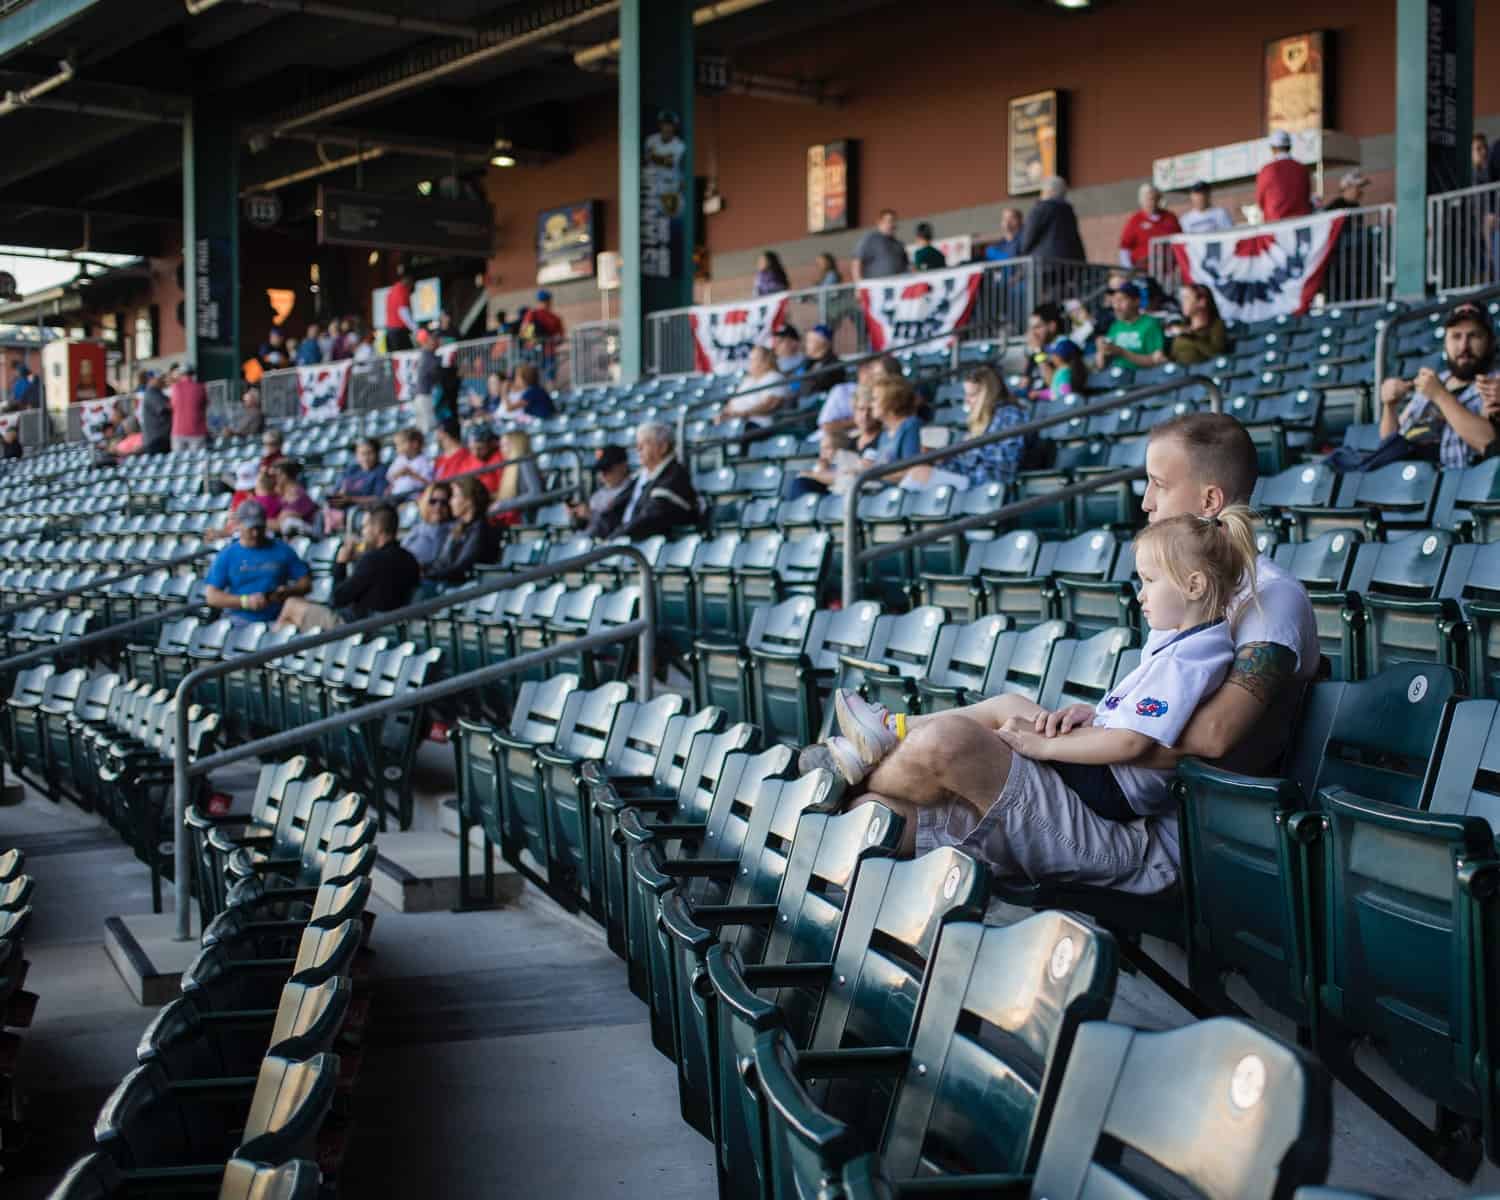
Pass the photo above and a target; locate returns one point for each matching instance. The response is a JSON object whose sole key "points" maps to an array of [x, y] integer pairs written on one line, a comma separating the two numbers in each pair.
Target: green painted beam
{"points": [[39, 20]]}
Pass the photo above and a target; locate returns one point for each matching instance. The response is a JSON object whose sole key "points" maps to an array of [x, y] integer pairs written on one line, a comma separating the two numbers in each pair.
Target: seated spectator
{"points": [[10, 441], [494, 392], [1134, 338], [471, 541], [299, 511], [611, 482], [927, 257], [901, 431], [250, 420], [411, 469], [989, 408], [1448, 417], [662, 497], [770, 275], [451, 453], [840, 456], [1200, 336], [760, 393], [519, 479], [822, 369], [1065, 371], [484, 451], [434, 520], [827, 271], [385, 578], [1043, 327], [527, 397], [1352, 186], [1203, 215], [272, 448], [1080, 325], [837, 414], [364, 478], [253, 575], [786, 345], [1148, 222]]}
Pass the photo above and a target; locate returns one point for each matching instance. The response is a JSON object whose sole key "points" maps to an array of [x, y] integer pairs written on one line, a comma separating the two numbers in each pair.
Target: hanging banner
{"points": [[321, 388], [927, 308], [1272, 273], [93, 416], [404, 367], [723, 334]]}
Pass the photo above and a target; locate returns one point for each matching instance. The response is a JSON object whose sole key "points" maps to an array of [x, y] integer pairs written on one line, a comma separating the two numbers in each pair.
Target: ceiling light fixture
{"points": [[1073, 3], [502, 160]]}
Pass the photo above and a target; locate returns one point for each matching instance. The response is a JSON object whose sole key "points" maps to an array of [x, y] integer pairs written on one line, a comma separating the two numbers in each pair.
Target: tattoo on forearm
{"points": [[1263, 669]]}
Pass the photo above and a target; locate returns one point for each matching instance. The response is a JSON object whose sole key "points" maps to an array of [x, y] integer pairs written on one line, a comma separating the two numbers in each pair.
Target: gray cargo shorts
{"points": [[1038, 830]]}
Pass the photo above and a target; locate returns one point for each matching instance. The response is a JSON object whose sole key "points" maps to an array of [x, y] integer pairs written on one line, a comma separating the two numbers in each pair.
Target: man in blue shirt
{"points": [[252, 575], [24, 391]]}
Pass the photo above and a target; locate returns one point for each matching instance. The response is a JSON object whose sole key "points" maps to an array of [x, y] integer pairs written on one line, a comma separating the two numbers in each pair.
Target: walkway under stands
{"points": [[506, 1055]]}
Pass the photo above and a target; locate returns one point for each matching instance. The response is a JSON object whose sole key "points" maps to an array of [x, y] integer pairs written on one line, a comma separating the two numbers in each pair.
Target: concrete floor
{"points": [[505, 1052]]}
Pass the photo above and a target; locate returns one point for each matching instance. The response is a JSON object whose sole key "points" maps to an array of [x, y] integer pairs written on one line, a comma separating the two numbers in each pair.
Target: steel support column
{"points": [[211, 239], [658, 217]]}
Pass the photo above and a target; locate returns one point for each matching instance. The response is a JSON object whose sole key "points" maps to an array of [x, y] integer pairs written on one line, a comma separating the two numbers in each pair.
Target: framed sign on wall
{"points": [[1035, 146], [1298, 83], [830, 186], [566, 242]]}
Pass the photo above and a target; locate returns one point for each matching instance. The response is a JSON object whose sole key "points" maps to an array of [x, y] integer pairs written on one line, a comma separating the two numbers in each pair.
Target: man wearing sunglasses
{"points": [[431, 530], [1450, 417]]}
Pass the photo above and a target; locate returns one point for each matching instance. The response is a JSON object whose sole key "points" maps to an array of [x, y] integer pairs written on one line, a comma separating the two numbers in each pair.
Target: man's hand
{"points": [[1430, 385], [254, 601], [1489, 391], [347, 549], [1022, 740], [579, 510], [1395, 392], [1074, 716]]}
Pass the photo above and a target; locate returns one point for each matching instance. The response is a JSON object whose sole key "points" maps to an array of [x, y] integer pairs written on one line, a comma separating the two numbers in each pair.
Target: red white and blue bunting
{"points": [[925, 308], [1274, 271], [723, 334]]}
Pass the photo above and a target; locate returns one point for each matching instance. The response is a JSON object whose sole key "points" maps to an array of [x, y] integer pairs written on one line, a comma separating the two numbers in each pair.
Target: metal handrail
{"points": [[110, 581], [99, 637], [1413, 315], [854, 558], [183, 771]]}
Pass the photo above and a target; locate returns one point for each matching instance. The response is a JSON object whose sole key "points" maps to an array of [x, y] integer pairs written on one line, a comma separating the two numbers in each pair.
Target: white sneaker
{"points": [[845, 760], [865, 725]]}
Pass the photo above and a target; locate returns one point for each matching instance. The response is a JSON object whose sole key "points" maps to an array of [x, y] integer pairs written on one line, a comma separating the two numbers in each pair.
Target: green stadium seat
{"points": [[972, 1090], [96, 1177], [1323, 565], [925, 508], [229, 976], [1311, 486], [865, 994], [1398, 496], [1092, 605], [1405, 607], [898, 655], [1475, 511], [882, 520], [1083, 671], [965, 595], [955, 676]]}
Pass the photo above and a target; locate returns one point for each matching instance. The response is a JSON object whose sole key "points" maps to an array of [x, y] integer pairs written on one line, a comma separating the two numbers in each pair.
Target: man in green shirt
{"points": [[1134, 339], [927, 257]]}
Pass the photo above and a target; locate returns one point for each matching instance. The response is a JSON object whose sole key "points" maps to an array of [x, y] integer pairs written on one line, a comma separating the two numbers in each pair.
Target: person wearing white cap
{"points": [[1351, 191], [1283, 187]]}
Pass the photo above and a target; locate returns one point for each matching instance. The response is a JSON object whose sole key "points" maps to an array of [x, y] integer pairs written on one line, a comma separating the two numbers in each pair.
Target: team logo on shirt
{"points": [[1112, 703], [1151, 707]]}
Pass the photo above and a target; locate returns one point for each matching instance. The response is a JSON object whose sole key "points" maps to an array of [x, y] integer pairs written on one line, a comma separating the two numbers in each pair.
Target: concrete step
{"points": [[418, 872], [148, 956]]}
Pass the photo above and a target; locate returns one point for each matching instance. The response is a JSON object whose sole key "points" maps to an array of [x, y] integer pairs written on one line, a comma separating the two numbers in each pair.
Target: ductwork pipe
{"points": [[18, 100], [703, 15], [355, 16]]}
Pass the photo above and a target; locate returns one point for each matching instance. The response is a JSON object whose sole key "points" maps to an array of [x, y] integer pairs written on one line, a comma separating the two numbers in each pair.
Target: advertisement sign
{"points": [[566, 242], [663, 198], [1035, 145], [830, 186], [350, 218], [1296, 81]]}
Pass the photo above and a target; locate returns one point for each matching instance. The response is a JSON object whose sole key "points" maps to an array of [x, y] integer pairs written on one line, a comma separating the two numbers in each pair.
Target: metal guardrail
{"points": [[1410, 317], [100, 637], [1463, 239], [184, 771], [594, 352], [855, 558], [1008, 291], [1360, 270]]}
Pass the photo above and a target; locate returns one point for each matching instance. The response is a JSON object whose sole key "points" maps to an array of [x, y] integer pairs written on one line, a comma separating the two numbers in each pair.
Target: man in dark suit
{"points": [[662, 498], [1051, 229]]}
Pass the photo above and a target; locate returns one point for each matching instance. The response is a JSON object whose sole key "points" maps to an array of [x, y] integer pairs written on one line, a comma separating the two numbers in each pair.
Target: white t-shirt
{"points": [[421, 464], [760, 390], [1178, 668], [1280, 612], [1210, 220]]}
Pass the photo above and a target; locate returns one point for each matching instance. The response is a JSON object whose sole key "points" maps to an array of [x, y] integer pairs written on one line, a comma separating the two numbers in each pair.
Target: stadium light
{"points": [[1073, 3], [503, 160]]}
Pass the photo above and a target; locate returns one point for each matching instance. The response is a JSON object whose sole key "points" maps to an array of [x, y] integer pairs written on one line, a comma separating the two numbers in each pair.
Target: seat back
{"points": [[1229, 1111], [288, 1106], [749, 820], [587, 719], [844, 631], [639, 735], [539, 708], [1084, 674], [962, 654], [906, 642], [245, 1180], [1382, 740], [705, 763], [1021, 661]]}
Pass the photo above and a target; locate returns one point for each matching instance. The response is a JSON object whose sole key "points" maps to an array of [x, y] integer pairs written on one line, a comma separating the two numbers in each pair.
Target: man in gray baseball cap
{"points": [[252, 575]]}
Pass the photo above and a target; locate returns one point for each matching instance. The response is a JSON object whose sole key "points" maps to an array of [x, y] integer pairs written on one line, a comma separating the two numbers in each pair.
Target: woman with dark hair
{"points": [[827, 271], [471, 540], [1201, 335], [1065, 371], [770, 275]]}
